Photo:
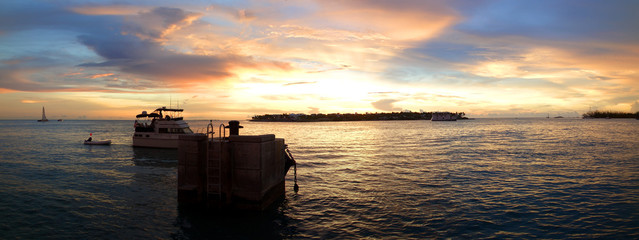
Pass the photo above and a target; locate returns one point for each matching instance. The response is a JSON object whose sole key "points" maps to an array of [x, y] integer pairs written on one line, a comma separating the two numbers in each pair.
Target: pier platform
{"points": [[235, 172]]}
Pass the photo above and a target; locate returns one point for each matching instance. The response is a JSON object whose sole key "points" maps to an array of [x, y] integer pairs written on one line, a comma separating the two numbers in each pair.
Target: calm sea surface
{"points": [[484, 178]]}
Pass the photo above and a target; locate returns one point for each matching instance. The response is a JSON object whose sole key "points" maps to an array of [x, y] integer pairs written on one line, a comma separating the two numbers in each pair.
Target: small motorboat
{"points": [[103, 142]]}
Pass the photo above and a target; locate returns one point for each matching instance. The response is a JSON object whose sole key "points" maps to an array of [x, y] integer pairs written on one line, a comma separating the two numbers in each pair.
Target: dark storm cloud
{"points": [[140, 51], [128, 44], [119, 46], [147, 58]]}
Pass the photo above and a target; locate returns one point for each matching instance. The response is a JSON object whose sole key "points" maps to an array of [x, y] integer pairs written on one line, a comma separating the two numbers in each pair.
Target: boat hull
{"points": [[164, 130], [105, 142]]}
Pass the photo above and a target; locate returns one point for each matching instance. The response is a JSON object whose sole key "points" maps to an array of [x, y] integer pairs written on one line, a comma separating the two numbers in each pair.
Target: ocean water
{"points": [[483, 178]]}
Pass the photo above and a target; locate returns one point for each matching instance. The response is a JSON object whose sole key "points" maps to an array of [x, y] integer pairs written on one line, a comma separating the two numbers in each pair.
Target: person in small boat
{"points": [[90, 139]]}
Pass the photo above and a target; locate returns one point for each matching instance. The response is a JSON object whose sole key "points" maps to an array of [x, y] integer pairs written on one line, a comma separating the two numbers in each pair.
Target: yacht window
{"points": [[163, 130], [187, 130], [176, 130]]}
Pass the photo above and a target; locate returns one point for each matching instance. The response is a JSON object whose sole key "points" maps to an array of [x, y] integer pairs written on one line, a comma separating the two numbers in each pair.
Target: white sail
{"points": [[44, 117]]}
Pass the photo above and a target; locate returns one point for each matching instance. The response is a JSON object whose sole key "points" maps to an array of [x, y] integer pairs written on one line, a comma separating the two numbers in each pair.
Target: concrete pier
{"points": [[242, 172], [192, 168]]}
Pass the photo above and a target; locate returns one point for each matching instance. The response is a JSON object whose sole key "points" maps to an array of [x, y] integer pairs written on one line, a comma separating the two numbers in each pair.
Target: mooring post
{"points": [[234, 128]]}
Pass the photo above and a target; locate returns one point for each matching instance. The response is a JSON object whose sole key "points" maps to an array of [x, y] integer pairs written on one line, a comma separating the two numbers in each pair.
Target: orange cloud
{"points": [[71, 74], [31, 101], [399, 21], [100, 75], [4, 90]]}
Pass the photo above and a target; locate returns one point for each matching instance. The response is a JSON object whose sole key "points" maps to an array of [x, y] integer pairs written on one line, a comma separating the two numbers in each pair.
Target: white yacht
{"points": [[160, 129]]}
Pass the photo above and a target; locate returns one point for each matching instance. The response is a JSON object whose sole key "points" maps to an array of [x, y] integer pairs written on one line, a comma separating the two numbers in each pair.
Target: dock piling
{"points": [[241, 171]]}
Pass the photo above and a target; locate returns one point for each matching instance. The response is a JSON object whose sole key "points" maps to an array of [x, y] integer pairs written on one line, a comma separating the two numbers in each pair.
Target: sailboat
{"points": [[44, 117]]}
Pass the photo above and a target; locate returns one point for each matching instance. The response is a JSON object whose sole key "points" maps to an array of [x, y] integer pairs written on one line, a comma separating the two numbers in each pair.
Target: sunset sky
{"points": [[235, 59]]}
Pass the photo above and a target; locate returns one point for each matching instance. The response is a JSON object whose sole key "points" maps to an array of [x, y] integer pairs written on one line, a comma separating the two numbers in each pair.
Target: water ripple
{"points": [[515, 178]]}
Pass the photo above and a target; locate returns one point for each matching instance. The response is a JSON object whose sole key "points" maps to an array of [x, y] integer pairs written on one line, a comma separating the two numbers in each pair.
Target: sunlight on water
{"points": [[485, 178]]}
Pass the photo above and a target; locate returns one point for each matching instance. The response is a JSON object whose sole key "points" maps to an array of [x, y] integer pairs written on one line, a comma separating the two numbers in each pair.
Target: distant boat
{"points": [[559, 117], [60, 120], [44, 117]]}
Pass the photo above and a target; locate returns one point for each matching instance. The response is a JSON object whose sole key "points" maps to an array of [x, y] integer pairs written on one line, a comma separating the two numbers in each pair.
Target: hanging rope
{"points": [[291, 161]]}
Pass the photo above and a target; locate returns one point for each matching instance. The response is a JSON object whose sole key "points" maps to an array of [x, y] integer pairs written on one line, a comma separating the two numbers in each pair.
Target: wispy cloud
{"points": [[31, 101], [386, 105], [299, 83], [101, 75], [158, 23], [108, 9]]}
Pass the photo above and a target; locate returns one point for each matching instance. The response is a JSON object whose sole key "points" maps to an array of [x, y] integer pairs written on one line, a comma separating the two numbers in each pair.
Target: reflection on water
{"points": [[156, 157], [272, 223], [487, 178], [470, 179]]}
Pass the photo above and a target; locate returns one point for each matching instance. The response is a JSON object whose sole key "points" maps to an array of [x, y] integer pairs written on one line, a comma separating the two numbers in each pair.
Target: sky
{"points": [[236, 59]]}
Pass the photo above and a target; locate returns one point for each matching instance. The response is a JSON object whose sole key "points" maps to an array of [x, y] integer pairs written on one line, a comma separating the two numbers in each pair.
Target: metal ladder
{"points": [[210, 136]]}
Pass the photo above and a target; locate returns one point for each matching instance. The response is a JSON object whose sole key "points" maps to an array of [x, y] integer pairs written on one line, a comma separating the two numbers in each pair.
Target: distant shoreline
{"points": [[610, 114], [338, 117]]}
